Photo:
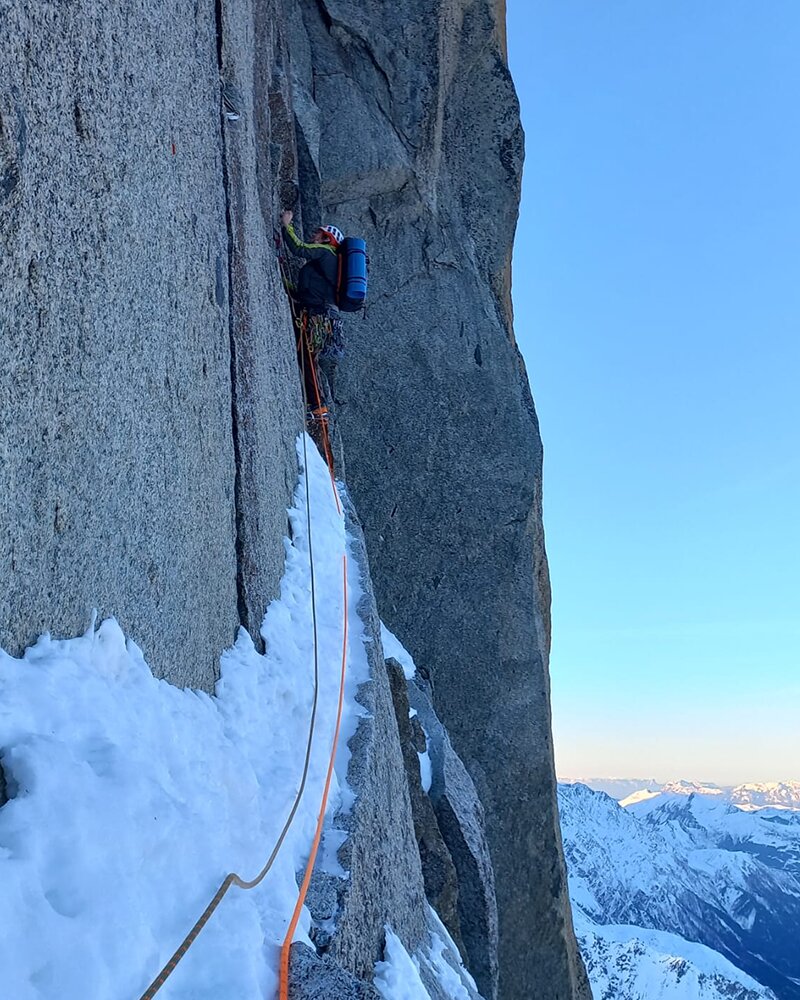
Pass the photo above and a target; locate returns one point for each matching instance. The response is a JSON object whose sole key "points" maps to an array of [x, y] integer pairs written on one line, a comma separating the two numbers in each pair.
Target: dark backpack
{"points": [[353, 270]]}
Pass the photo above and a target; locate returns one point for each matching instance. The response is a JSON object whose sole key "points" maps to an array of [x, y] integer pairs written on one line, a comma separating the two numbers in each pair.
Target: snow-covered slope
{"points": [[777, 794], [130, 799], [126, 800], [697, 822], [631, 963], [694, 866]]}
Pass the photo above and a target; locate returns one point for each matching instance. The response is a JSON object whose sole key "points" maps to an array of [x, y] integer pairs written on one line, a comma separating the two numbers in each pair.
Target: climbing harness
{"points": [[317, 405], [326, 334], [311, 330]]}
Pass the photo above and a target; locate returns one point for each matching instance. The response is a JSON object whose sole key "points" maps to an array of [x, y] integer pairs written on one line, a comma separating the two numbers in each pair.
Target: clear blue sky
{"points": [[657, 299]]}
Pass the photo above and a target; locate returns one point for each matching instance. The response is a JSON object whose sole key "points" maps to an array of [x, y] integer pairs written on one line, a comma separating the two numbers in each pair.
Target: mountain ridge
{"points": [[696, 866], [747, 795]]}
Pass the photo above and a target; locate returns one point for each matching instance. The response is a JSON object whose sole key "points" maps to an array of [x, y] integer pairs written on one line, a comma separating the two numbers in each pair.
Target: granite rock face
{"points": [[449, 825], [461, 821], [315, 977], [411, 138], [438, 871], [384, 882], [147, 387], [149, 402], [259, 164]]}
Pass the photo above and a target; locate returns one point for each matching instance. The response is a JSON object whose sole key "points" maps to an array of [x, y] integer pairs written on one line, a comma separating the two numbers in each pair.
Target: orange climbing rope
{"points": [[307, 352], [232, 878], [287, 941], [306, 355]]}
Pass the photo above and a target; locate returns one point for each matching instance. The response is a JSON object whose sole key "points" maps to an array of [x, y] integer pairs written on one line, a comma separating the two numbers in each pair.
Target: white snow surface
{"points": [[394, 649], [398, 976], [425, 769], [647, 879], [132, 799], [632, 962]]}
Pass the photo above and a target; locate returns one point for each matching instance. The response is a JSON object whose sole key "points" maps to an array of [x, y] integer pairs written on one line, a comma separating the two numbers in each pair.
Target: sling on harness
{"points": [[326, 335]]}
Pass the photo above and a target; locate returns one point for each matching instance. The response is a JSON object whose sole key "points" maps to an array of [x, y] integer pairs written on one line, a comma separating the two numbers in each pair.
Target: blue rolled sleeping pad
{"points": [[353, 289]]}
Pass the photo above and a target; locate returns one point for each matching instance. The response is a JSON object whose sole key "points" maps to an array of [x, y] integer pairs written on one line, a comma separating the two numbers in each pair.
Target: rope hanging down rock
{"points": [[312, 858], [232, 879]]}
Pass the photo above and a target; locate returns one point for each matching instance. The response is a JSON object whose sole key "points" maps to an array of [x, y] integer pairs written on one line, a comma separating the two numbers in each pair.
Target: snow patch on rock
{"points": [[135, 798]]}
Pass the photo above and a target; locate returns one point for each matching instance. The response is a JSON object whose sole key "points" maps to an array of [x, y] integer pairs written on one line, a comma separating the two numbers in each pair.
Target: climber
{"points": [[318, 281], [315, 295]]}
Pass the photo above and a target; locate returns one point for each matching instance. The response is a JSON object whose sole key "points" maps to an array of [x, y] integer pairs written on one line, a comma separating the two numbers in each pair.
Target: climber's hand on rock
{"points": [[286, 217]]}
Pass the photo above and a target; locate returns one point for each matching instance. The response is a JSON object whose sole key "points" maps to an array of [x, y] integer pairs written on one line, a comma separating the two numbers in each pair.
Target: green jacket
{"points": [[318, 280]]}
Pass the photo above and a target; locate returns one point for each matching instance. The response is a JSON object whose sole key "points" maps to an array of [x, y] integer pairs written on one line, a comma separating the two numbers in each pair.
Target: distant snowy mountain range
{"points": [[751, 795], [685, 895]]}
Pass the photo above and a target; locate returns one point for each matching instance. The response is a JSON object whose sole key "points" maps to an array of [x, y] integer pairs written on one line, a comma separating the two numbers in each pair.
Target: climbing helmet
{"points": [[334, 232]]}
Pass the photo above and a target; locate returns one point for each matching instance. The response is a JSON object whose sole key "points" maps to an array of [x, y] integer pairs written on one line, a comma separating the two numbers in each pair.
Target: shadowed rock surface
{"points": [[438, 870], [435, 413], [462, 825], [315, 977], [384, 884], [150, 402]]}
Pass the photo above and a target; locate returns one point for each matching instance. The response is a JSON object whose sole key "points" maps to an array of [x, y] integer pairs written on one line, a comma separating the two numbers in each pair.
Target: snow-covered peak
{"points": [[702, 821], [776, 794], [641, 796], [747, 795], [612, 856], [617, 788], [692, 865], [683, 787], [670, 804], [627, 962], [680, 788]]}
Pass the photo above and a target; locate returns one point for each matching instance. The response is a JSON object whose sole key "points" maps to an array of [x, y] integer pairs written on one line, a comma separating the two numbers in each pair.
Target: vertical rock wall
{"points": [[412, 136], [384, 882], [149, 394], [259, 166], [147, 390]]}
